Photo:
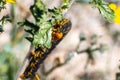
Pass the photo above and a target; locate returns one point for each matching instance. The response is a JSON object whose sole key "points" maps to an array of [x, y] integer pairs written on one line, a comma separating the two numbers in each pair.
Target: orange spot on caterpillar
{"points": [[22, 76], [59, 35], [33, 53], [41, 56]]}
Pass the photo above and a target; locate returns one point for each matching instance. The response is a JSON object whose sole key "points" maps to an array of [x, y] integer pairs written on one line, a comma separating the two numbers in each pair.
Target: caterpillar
{"points": [[36, 57]]}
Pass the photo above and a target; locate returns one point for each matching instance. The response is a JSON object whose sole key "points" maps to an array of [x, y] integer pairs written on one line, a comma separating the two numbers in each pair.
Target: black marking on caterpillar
{"points": [[40, 53]]}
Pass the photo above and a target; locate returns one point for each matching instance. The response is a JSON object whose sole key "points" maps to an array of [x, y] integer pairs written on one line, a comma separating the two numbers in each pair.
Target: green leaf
{"points": [[56, 13], [1, 29], [104, 9], [29, 39], [38, 9], [29, 31], [106, 12], [29, 24], [43, 37]]}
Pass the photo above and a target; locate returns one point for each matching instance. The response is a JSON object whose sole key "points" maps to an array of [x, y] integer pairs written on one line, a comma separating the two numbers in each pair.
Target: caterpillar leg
{"points": [[37, 77]]}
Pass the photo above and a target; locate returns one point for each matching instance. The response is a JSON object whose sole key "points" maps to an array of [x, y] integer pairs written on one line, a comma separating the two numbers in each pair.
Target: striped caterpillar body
{"points": [[36, 57]]}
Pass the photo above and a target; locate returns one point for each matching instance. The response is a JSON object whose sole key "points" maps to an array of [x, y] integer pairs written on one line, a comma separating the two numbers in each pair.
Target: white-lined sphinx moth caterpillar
{"points": [[36, 57]]}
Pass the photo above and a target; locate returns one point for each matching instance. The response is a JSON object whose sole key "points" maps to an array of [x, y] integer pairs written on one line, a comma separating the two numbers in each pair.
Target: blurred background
{"points": [[90, 51]]}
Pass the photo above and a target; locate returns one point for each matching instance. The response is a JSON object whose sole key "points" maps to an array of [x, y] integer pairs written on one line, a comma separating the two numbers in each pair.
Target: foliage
{"points": [[4, 18], [104, 9], [8, 66], [2, 4], [44, 20]]}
